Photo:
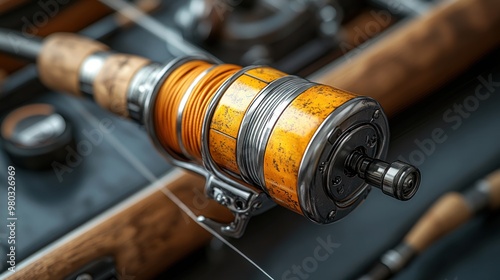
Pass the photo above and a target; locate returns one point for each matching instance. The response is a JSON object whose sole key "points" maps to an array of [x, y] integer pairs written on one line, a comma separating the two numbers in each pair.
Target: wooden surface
{"points": [[60, 60], [71, 18], [421, 56], [7, 5], [448, 213], [3, 75], [494, 183], [144, 237], [112, 82]]}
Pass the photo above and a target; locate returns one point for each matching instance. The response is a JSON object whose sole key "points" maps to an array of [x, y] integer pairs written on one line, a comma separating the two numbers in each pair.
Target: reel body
{"points": [[258, 135], [270, 137]]}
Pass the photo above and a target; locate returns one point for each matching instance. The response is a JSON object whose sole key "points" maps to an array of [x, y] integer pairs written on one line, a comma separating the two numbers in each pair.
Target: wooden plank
{"points": [[144, 235], [421, 56]]}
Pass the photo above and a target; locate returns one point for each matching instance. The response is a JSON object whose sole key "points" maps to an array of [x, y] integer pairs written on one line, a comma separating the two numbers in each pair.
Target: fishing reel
{"points": [[258, 135]]}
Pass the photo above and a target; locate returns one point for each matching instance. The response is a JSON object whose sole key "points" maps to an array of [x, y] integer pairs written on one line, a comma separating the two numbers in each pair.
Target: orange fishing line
{"points": [[169, 98], [196, 106]]}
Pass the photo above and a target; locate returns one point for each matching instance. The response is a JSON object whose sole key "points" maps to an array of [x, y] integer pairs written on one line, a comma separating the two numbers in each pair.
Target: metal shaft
{"points": [[397, 179]]}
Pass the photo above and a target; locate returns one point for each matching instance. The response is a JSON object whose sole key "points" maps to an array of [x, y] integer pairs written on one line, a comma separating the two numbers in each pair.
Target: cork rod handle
{"points": [[60, 62], [61, 58], [447, 214]]}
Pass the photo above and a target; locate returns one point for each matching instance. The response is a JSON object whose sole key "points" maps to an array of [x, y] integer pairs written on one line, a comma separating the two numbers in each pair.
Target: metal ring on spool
{"points": [[140, 90], [261, 116], [248, 134], [229, 114], [208, 161]]}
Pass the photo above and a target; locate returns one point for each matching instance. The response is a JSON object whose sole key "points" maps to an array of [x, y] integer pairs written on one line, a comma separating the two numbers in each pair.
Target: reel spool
{"points": [[264, 134], [256, 134]]}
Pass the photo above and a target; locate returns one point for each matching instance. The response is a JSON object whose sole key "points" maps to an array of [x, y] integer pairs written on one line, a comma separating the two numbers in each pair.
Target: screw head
{"points": [[220, 198], [371, 141], [257, 205], [322, 167], [337, 180], [340, 189], [332, 214]]}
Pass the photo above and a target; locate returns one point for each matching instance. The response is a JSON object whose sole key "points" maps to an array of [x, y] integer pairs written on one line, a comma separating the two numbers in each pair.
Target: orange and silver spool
{"points": [[260, 128], [280, 133], [255, 133], [182, 102], [232, 108]]}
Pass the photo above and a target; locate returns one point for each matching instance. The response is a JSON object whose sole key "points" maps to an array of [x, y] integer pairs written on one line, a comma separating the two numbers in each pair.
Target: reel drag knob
{"points": [[398, 179]]}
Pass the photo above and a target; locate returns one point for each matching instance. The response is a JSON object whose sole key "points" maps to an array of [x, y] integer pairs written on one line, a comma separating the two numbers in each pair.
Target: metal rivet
{"points": [[337, 180], [340, 189], [257, 205], [220, 198], [371, 141], [322, 167], [332, 214]]}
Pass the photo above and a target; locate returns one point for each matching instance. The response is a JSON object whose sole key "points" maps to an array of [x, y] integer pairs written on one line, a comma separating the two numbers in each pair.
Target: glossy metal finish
{"points": [[89, 70], [266, 135], [398, 179], [259, 120], [242, 199], [141, 87], [326, 193]]}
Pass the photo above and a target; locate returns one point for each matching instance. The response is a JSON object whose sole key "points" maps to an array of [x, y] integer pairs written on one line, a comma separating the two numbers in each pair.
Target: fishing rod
{"points": [[258, 135], [448, 213]]}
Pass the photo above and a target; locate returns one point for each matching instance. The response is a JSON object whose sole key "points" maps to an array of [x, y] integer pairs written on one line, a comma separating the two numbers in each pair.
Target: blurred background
{"points": [[309, 38]]}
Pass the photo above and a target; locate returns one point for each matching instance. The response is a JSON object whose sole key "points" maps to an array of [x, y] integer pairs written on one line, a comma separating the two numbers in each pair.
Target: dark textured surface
{"points": [[279, 239], [48, 208]]}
